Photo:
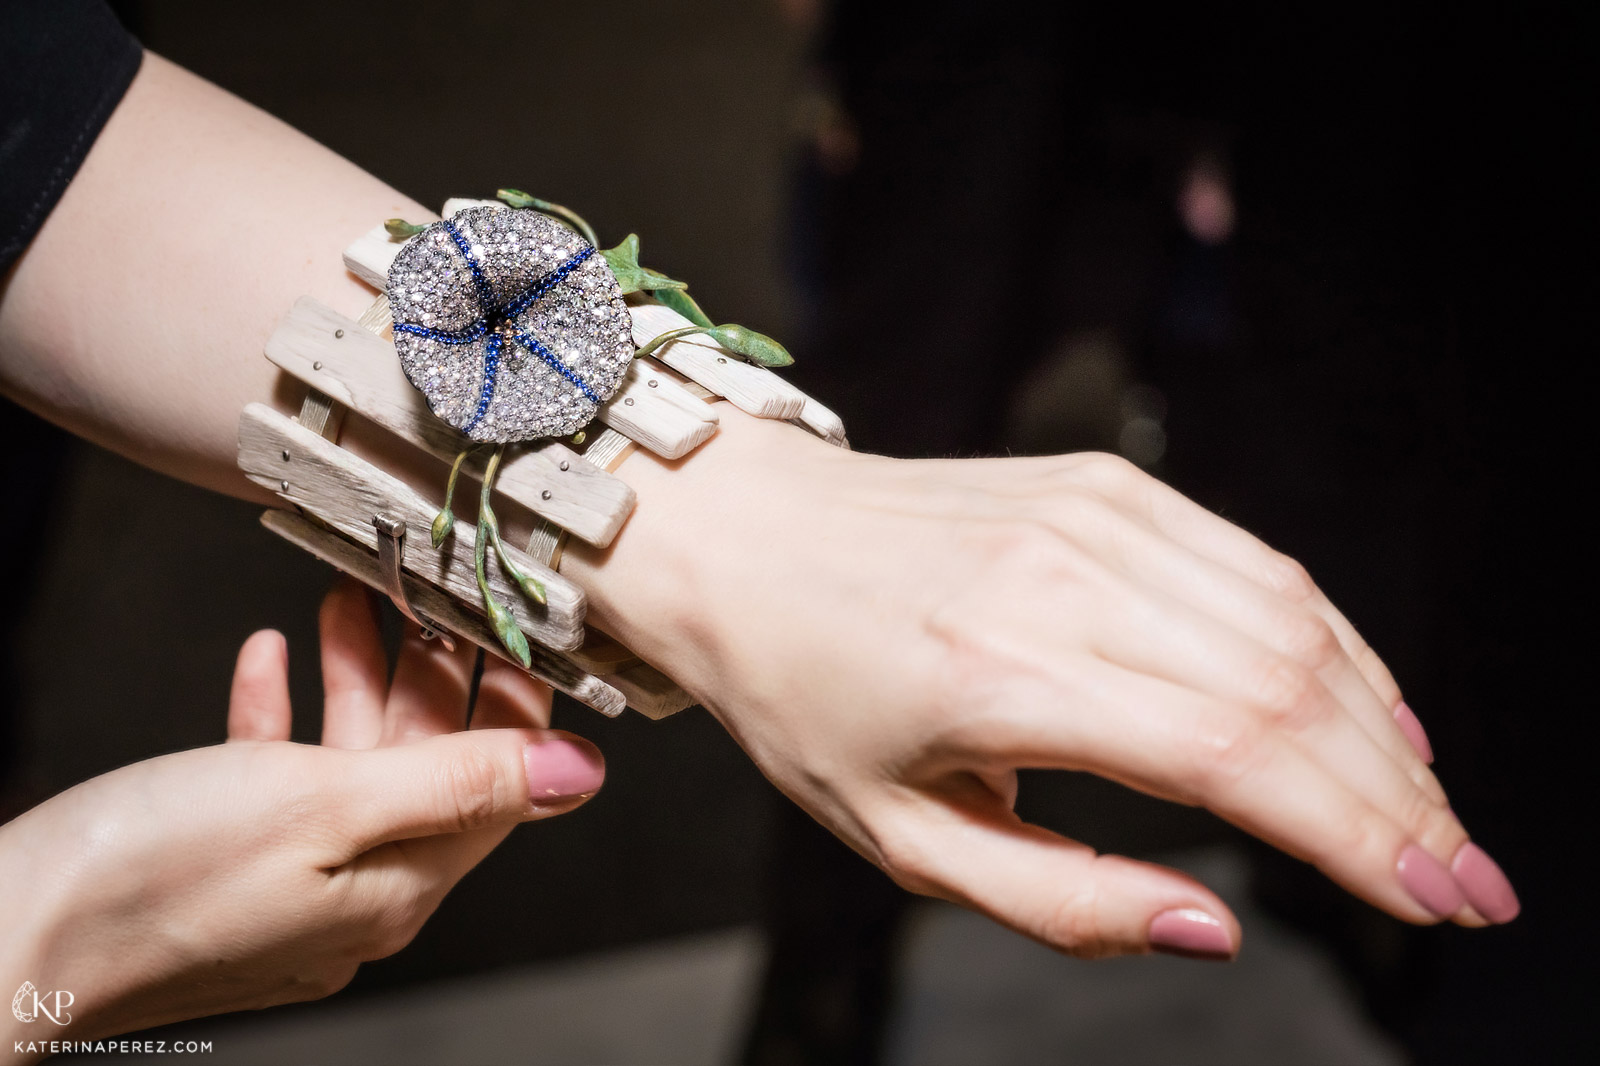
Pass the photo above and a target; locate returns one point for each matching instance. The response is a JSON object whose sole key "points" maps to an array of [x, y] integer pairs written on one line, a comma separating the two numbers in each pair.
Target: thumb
{"points": [[1059, 891], [458, 782]]}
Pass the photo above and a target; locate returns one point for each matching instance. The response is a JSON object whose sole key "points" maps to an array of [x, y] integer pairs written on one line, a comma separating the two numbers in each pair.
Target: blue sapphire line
{"points": [[555, 364], [486, 304], [515, 307], [491, 370], [443, 336]]}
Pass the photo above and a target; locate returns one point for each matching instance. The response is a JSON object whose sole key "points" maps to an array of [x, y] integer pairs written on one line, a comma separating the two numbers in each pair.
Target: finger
{"points": [[1055, 890], [258, 703], [1290, 629], [430, 689], [509, 698], [461, 782], [355, 670], [1154, 634], [1220, 540], [1166, 639], [1175, 742]]}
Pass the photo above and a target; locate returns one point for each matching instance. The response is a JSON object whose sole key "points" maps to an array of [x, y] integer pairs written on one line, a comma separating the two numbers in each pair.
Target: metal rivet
{"points": [[283, 486], [338, 333], [565, 465], [628, 400], [286, 455], [546, 494], [721, 360], [317, 365], [651, 383]]}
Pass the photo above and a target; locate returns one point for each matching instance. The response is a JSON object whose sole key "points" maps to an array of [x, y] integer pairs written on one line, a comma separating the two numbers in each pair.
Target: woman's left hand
{"points": [[261, 872]]}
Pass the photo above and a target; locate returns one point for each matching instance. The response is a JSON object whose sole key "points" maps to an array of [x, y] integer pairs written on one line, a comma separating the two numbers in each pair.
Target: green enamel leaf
{"points": [[506, 628], [399, 229], [680, 301], [624, 263], [756, 347], [443, 523]]}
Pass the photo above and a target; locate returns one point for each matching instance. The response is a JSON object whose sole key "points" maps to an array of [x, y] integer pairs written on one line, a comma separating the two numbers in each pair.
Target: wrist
{"points": [[686, 571]]}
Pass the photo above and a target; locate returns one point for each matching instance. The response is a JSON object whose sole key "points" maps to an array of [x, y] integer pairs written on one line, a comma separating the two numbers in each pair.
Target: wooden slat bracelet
{"points": [[513, 332]]}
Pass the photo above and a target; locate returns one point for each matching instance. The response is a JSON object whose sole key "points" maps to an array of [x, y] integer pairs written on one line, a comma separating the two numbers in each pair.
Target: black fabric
{"points": [[64, 65]]}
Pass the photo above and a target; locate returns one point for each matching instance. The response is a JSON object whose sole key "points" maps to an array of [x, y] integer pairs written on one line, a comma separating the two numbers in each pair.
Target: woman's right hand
{"points": [[261, 872], [891, 641]]}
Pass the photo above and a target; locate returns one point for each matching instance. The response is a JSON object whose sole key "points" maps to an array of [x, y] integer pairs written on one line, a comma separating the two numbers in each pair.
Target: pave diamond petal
{"points": [[442, 330]]}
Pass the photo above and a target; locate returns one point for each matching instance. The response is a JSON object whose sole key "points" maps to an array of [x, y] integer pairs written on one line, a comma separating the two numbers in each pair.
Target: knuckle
{"points": [[904, 860], [1366, 835], [1430, 824], [1108, 471], [469, 790], [1284, 689], [1072, 924], [1372, 667], [1309, 640], [1289, 579], [1228, 748], [1080, 512]]}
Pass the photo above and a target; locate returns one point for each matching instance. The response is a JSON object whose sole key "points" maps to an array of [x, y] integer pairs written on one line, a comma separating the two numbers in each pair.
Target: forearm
{"points": [[138, 316]]}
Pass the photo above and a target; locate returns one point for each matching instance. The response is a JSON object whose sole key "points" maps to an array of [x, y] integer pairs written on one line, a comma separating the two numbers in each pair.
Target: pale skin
{"points": [[889, 640], [260, 872]]}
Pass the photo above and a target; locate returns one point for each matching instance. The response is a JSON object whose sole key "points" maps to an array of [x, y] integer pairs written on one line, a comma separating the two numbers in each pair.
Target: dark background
{"points": [[1379, 371]]}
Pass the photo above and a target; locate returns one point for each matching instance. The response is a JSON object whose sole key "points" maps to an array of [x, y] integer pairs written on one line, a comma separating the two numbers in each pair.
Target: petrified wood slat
{"points": [[548, 666], [346, 492]]}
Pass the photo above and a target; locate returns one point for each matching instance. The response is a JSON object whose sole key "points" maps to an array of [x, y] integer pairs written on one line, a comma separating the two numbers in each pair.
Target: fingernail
{"points": [[1485, 885], [1411, 726], [1429, 883], [562, 767], [1191, 933]]}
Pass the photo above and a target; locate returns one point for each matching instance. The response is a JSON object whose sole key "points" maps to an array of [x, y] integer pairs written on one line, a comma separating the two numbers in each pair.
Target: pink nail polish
{"points": [[562, 767], [1484, 884], [1411, 726], [1429, 883], [1191, 933]]}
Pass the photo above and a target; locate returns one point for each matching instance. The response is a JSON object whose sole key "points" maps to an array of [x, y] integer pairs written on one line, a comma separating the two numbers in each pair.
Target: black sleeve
{"points": [[64, 65]]}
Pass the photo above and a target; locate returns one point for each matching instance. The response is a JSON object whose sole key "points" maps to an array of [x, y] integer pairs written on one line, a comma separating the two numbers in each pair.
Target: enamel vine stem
{"points": [[531, 587], [501, 619], [445, 521], [518, 198]]}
